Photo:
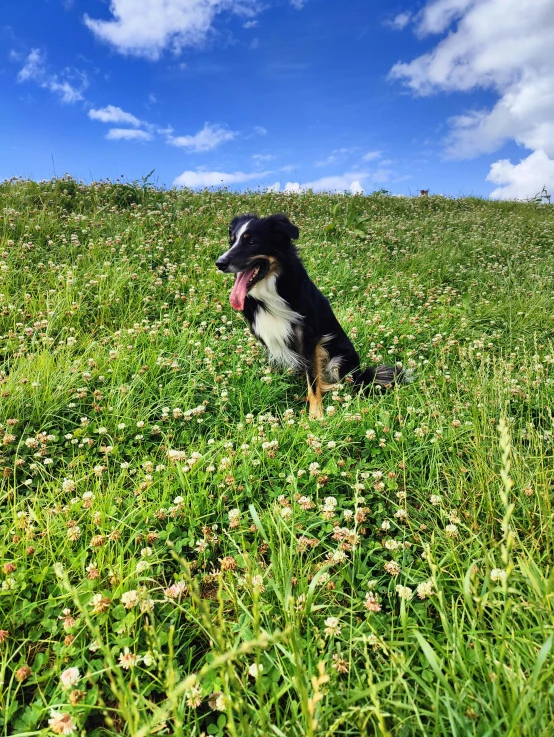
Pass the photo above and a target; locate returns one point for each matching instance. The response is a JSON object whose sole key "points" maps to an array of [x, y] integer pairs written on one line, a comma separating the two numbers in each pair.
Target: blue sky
{"points": [[359, 95]]}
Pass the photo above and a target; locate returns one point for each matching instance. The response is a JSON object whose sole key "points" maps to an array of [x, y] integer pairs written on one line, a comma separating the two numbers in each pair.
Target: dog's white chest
{"points": [[274, 324]]}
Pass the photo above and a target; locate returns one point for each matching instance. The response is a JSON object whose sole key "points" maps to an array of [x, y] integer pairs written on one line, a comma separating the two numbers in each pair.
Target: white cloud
{"points": [[147, 27], [338, 154], [400, 21], [263, 157], [523, 180], [211, 136], [371, 156], [201, 179], [113, 114], [437, 15], [69, 85], [298, 4], [350, 181], [128, 134], [260, 130], [275, 187], [501, 45]]}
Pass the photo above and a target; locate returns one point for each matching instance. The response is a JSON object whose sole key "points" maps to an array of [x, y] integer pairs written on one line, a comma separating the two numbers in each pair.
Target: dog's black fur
{"points": [[315, 337]]}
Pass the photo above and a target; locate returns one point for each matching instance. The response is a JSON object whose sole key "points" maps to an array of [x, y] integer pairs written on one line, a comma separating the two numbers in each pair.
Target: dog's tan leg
{"points": [[316, 384], [314, 398]]}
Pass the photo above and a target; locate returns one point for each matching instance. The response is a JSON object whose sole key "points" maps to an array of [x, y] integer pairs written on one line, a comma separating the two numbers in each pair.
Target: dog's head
{"points": [[255, 246]]}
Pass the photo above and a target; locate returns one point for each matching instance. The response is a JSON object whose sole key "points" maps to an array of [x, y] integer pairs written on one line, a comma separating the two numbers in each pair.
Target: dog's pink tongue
{"points": [[238, 293]]}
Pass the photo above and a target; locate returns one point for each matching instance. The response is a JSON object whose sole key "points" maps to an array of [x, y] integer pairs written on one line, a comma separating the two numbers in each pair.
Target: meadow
{"points": [[184, 552]]}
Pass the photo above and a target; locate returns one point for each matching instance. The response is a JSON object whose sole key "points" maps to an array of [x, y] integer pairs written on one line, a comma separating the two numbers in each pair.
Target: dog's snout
{"points": [[222, 263]]}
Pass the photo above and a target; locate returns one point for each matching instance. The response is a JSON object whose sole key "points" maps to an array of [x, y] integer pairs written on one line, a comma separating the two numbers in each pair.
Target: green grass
{"points": [[387, 571]]}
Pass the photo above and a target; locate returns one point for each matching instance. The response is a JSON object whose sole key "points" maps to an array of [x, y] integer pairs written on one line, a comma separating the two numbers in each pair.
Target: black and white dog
{"points": [[288, 313]]}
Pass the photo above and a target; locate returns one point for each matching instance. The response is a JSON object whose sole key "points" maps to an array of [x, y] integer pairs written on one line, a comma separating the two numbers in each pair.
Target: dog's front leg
{"points": [[314, 396]]}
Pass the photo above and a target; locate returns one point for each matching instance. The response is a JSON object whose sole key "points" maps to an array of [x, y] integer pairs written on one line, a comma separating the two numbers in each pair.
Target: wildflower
{"points": [[61, 723], [425, 589], [228, 563], [340, 664], [68, 620], [76, 696], [313, 468], [69, 486], [337, 557], [435, 499], [498, 574], [451, 530], [21, 674], [347, 514], [127, 659], [392, 544], [176, 455], [74, 533], [371, 603], [142, 565], [258, 583], [401, 514], [404, 592], [176, 590], [255, 670], [392, 567], [305, 503], [92, 570], [385, 525], [70, 677], [130, 599], [99, 603], [332, 627], [216, 701], [328, 507], [8, 568], [148, 659], [194, 693], [201, 546], [3, 635], [97, 541], [234, 517]]}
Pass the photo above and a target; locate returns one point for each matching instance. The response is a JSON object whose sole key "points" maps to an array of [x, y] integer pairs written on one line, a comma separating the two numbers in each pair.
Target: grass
{"points": [[184, 552]]}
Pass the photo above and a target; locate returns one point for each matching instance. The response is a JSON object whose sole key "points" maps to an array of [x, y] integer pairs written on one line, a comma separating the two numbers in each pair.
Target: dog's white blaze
{"points": [[274, 323], [240, 233]]}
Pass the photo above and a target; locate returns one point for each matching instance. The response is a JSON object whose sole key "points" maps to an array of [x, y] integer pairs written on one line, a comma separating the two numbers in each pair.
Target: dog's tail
{"points": [[383, 377]]}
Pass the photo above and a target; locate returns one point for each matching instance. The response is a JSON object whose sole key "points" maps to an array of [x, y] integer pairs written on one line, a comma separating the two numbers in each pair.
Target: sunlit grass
{"points": [[184, 552]]}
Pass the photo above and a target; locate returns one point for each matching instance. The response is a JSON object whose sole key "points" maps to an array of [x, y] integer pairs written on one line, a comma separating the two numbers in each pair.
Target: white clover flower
{"points": [[70, 677]]}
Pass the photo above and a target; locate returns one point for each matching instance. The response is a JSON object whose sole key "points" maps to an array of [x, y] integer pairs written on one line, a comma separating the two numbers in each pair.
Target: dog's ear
{"points": [[240, 219], [282, 224]]}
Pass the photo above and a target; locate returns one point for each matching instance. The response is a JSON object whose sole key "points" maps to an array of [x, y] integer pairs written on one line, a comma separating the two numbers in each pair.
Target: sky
{"points": [[453, 96]]}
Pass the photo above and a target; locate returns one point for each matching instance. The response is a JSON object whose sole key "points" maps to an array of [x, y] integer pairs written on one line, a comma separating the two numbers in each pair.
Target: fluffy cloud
{"points": [[501, 45], [399, 22], [128, 134], [205, 140], [146, 27], [355, 182], [519, 181], [371, 156], [69, 85], [196, 179], [113, 114]]}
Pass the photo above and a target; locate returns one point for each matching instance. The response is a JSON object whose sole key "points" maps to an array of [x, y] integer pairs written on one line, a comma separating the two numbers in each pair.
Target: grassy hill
{"points": [[184, 552]]}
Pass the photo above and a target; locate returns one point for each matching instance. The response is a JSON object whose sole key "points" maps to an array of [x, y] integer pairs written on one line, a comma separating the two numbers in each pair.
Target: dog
{"points": [[287, 312]]}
